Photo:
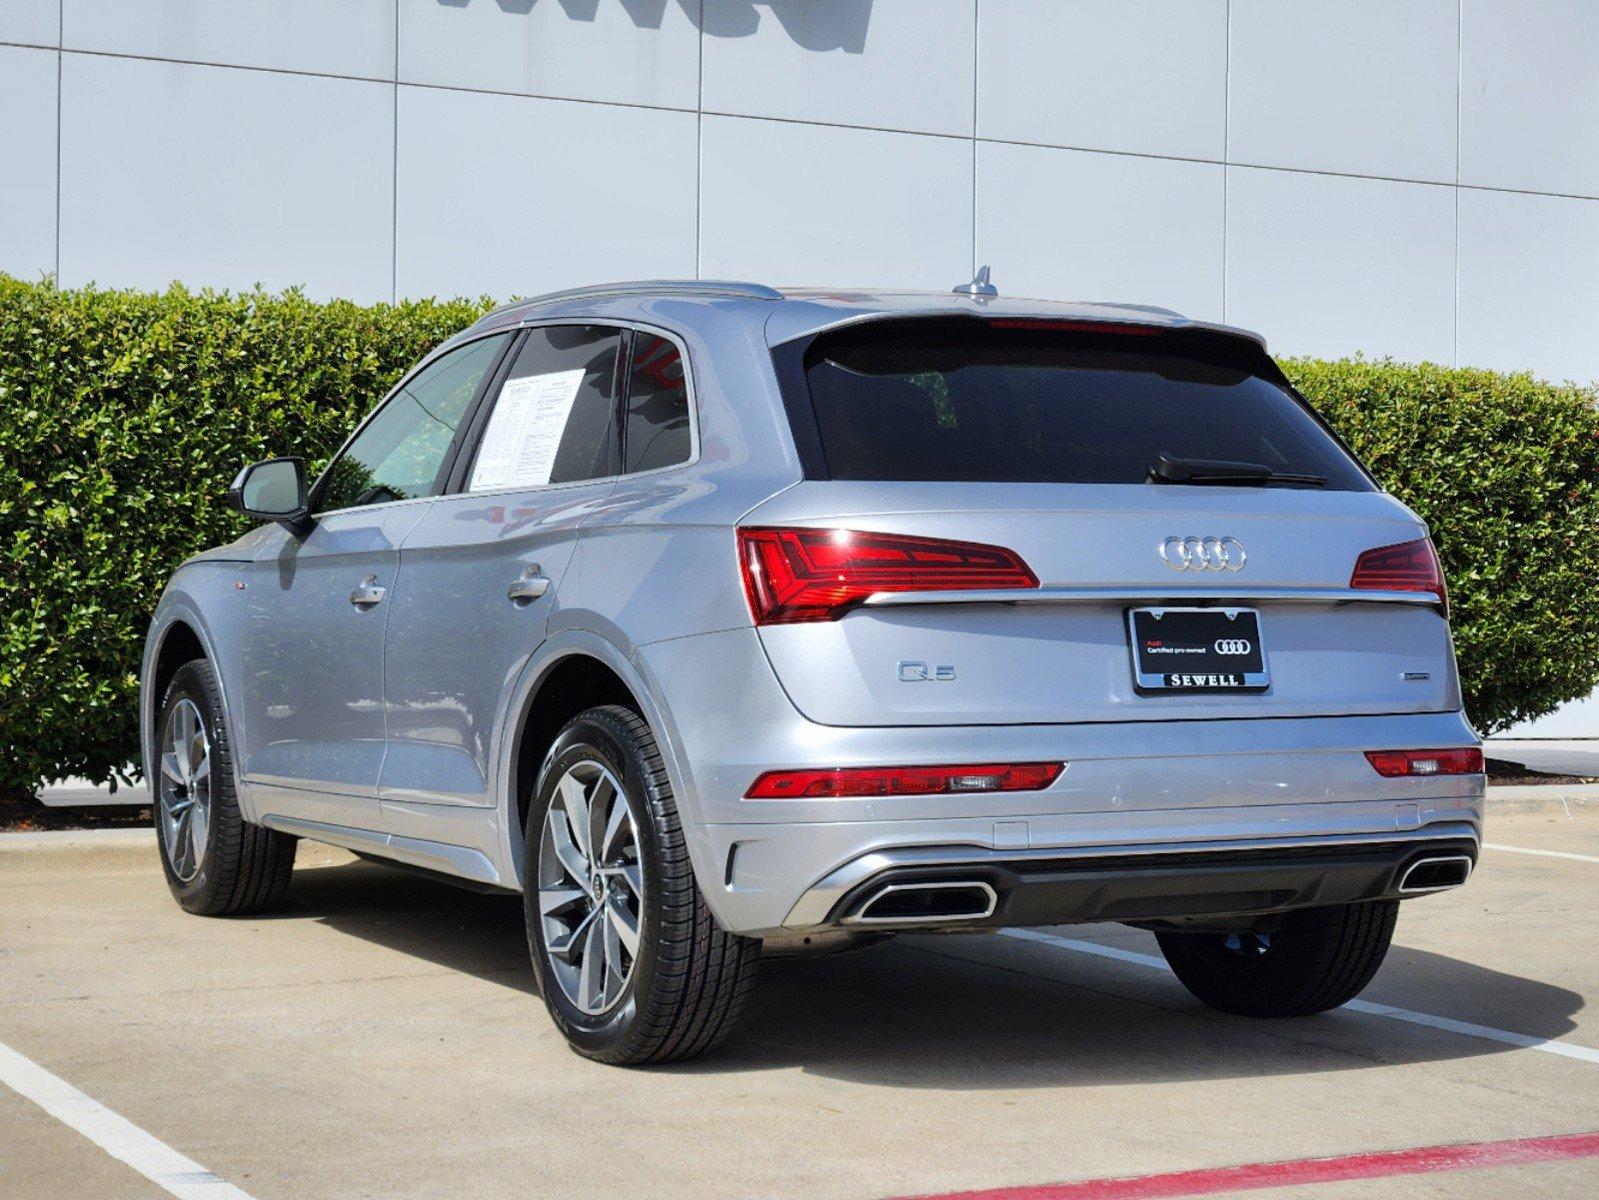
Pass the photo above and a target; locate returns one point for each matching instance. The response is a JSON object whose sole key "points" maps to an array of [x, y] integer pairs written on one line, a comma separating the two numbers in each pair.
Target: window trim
{"points": [[483, 405], [441, 477]]}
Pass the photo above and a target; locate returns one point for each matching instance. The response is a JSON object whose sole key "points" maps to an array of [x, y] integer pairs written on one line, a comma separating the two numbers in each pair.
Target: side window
{"points": [[554, 419], [398, 454], [657, 427]]}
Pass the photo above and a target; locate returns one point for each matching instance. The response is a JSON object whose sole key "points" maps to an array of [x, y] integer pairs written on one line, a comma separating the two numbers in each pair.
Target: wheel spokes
{"points": [[572, 860], [590, 885], [575, 802], [624, 925], [591, 979], [199, 829], [566, 948]]}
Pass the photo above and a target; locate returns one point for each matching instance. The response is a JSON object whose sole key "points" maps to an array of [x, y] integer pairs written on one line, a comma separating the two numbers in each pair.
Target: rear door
{"points": [[480, 571], [1040, 439]]}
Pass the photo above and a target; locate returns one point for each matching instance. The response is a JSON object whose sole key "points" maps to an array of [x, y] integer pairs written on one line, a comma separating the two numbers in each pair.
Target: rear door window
{"points": [[658, 431], [1043, 402], [554, 417]]}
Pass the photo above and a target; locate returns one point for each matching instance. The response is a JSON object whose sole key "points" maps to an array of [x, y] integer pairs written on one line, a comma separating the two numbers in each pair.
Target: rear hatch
{"points": [[1039, 438]]}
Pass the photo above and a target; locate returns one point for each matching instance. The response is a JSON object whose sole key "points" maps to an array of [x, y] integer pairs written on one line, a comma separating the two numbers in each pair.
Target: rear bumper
{"points": [[1131, 788], [1054, 887]]}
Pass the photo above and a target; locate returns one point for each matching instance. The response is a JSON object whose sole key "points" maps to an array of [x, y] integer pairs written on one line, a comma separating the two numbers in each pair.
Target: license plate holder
{"points": [[1197, 650]]}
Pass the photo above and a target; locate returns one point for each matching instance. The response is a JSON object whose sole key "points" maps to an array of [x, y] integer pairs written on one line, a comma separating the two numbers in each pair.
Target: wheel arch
{"points": [[574, 670], [178, 633]]}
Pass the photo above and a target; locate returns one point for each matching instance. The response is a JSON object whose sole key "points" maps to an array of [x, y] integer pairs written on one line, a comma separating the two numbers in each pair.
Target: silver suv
{"points": [[712, 617]]}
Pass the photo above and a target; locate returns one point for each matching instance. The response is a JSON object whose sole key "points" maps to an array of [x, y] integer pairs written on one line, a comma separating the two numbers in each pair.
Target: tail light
{"points": [[904, 781], [1407, 567], [819, 574], [1395, 764]]}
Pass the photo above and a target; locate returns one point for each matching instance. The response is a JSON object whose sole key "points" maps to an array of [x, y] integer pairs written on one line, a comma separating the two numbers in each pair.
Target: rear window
{"points": [[961, 400]]}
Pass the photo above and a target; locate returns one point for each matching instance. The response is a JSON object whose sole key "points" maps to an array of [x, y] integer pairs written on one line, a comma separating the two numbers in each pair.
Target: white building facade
{"points": [[1414, 178]]}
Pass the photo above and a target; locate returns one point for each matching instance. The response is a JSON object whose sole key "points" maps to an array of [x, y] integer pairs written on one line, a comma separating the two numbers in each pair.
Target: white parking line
{"points": [[1522, 1040], [1588, 858], [116, 1135]]}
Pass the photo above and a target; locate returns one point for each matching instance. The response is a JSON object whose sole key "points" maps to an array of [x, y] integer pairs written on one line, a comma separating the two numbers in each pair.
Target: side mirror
{"points": [[274, 490]]}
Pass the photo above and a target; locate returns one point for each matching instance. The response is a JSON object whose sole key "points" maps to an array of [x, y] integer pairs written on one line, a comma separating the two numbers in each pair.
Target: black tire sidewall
{"points": [[195, 681], [591, 736]]}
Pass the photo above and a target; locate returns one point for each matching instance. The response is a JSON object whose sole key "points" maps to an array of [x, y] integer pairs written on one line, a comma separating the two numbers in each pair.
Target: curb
{"points": [[65, 839]]}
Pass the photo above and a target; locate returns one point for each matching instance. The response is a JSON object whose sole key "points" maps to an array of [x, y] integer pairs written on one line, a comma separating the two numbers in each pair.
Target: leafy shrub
{"points": [[1505, 471], [124, 414]]}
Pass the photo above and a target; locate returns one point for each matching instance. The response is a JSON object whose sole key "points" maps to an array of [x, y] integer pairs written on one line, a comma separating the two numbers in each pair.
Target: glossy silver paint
{"points": [[391, 726]]}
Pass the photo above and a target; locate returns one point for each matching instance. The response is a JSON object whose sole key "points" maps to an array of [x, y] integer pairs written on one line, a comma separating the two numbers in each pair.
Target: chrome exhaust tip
{"points": [[1435, 874], [936, 903]]}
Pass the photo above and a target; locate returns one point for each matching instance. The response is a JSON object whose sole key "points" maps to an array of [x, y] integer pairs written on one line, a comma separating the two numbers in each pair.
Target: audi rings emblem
{"points": [[1233, 646], [1203, 554]]}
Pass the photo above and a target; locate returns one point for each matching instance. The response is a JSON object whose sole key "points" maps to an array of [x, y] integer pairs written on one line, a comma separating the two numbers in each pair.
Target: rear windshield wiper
{"points": [[1170, 469]]}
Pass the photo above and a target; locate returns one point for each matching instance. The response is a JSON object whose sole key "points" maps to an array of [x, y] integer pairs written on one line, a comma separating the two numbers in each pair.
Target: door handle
{"points": [[369, 593], [529, 586]]}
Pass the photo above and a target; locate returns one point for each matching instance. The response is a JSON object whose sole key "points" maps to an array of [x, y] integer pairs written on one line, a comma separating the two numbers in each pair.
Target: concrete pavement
{"points": [[380, 1037]]}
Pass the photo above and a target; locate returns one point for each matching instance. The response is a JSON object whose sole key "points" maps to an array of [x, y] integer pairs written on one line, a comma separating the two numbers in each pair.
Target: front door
{"points": [[313, 729]]}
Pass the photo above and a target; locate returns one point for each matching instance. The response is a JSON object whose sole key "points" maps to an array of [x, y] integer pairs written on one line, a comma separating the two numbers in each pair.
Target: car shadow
{"points": [[974, 1011]]}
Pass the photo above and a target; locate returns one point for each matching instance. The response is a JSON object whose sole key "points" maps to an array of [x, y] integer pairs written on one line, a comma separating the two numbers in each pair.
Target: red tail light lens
{"points": [[819, 574], [1395, 764], [904, 781], [1407, 567]]}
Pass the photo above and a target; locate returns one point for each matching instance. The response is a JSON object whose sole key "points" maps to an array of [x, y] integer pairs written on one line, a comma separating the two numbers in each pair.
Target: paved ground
{"points": [[381, 1038], [1570, 756]]}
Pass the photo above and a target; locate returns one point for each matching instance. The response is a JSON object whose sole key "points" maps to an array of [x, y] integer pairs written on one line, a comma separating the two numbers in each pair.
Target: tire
{"points": [[684, 985], [1319, 959], [238, 867]]}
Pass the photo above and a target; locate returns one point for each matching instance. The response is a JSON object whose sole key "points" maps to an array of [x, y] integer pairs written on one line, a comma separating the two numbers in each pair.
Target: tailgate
{"points": [[1062, 653]]}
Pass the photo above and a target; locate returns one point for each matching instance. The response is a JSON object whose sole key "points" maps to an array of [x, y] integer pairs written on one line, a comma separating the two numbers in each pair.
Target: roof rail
{"points": [[689, 287]]}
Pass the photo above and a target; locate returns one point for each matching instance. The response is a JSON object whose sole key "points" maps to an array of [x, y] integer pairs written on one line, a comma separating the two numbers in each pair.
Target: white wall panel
{"points": [[36, 22], [1148, 78], [213, 175], [1330, 265], [1360, 86], [346, 37], [27, 161], [789, 203], [893, 64], [1529, 284], [1529, 115], [639, 52], [1075, 225], [513, 196]]}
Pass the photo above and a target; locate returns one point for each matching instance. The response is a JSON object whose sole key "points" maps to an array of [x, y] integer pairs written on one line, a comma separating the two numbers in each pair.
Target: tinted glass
{"points": [[554, 418], [658, 432], [966, 401], [398, 454]]}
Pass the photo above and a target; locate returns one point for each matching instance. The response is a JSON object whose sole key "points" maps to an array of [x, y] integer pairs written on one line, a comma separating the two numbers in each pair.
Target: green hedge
{"points": [[124, 414], [1505, 471]]}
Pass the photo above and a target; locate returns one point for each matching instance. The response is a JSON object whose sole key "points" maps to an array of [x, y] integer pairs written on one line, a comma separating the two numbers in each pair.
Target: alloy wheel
{"points": [[184, 794], [591, 887]]}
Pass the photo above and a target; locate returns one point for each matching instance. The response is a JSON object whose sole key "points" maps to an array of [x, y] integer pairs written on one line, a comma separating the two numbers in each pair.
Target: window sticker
{"points": [[525, 431]]}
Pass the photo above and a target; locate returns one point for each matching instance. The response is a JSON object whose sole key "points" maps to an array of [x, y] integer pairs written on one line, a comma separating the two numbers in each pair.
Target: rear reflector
{"points": [[904, 781], [820, 574], [1407, 567], [1396, 763]]}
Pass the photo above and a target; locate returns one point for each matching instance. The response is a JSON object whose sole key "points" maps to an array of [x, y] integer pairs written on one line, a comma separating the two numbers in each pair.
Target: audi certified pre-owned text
{"points": [[721, 621]]}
